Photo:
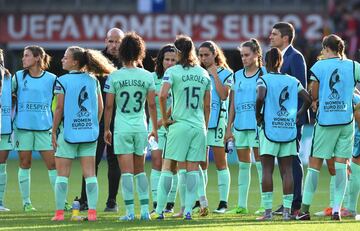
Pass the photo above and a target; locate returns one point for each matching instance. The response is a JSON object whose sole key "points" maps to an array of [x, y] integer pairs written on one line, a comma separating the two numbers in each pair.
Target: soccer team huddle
{"points": [[195, 102]]}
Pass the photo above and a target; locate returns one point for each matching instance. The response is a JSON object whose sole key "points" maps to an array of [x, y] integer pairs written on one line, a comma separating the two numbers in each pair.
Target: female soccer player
{"points": [[131, 86], [80, 91], [276, 113], [33, 88], [165, 59], [6, 128], [242, 120], [213, 60], [334, 80], [186, 140]]}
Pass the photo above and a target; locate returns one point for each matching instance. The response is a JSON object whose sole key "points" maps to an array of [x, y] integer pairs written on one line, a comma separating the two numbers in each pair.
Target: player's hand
{"points": [[154, 134], [228, 135], [53, 140], [108, 137], [212, 70], [166, 122], [259, 119], [314, 106], [7, 72]]}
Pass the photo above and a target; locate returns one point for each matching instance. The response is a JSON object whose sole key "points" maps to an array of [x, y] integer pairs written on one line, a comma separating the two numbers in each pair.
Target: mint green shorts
{"points": [[72, 151], [246, 139], [6, 143], [276, 149], [32, 140], [185, 143], [215, 136], [130, 143], [332, 141], [161, 140]]}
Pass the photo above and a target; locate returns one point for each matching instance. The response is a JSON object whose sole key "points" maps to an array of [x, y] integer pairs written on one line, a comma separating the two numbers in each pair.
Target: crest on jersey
{"points": [[334, 79], [284, 95]]}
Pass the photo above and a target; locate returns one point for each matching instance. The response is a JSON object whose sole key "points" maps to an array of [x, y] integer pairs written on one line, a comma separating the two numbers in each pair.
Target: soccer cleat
{"points": [[29, 208], [152, 212], [303, 217], [196, 208], [128, 217], [325, 213], [156, 216], [145, 217], [91, 215], [67, 207], [265, 217], [347, 213], [336, 216], [4, 209], [111, 206], [178, 215], [203, 212], [221, 208], [59, 215], [295, 212], [238, 210], [260, 211], [279, 210], [187, 216]]}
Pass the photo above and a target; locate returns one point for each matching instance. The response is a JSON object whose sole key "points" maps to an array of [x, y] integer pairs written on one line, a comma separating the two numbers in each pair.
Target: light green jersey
{"points": [[158, 84], [188, 86], [130, 86]]}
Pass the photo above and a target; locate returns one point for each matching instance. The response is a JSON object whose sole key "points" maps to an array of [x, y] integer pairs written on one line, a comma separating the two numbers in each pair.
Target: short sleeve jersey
{"points": [[188, 87], [130, 87]]}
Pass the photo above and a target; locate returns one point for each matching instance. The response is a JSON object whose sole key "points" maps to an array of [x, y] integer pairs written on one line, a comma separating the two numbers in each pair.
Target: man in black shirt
{"points": [[112, 42]]}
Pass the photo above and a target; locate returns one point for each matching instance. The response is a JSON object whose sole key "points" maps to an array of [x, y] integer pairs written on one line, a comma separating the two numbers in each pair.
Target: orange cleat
{"points": [[91, 215], [59, 215]]}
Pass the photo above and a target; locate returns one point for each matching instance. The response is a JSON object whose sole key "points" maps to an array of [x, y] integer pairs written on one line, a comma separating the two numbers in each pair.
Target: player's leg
{"points": [[3, 176]]}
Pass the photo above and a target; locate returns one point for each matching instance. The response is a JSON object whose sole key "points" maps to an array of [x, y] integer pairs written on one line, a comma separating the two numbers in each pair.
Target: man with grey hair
{"points": [[111, 51]]}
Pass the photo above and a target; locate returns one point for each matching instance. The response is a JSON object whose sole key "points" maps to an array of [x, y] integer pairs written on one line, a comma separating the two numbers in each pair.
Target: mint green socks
{"points": [[61, 190], [127, 189], [24, 185], [154, 181], [142, 188], [164, 187], [310, 185], [259, 172], [243, 184], [3, 182], [192, 179], [340, 185]]}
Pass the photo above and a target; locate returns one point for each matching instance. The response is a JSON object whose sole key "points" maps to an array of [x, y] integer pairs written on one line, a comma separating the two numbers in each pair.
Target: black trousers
{"points": [[298, 173], [113, 168]]}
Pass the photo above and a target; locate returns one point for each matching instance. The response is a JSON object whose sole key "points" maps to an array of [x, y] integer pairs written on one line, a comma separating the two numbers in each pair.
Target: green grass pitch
{"points": [[43, 200]]}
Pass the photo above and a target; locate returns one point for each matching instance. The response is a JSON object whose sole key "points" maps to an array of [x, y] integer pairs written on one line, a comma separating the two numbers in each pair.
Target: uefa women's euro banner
{"points": [[53, 30]]}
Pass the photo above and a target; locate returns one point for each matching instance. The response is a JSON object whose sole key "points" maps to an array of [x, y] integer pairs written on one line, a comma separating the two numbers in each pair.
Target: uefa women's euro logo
{"points": [[284, 95], [334, 79], [83, 96]]}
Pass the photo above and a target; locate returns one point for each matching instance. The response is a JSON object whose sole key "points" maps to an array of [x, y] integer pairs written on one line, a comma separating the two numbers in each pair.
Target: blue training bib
{"points": [[217, 105], [336, 87], [34, 96], [6, 101], [280, 107], [80, 107], [245, 100]]}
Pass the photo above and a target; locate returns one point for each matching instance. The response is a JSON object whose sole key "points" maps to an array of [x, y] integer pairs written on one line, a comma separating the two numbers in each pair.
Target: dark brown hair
{"points": [[132, 48], [334, 43], [94, 61], [286, 29], [37, 51], [220, 58], [159, 68], [273, 60], [254, 46], [185, 46]]}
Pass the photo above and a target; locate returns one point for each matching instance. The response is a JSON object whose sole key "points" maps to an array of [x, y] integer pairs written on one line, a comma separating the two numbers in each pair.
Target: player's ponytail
{"points": [[186, 50], [335, 44], [132, 49], [254, 45]]}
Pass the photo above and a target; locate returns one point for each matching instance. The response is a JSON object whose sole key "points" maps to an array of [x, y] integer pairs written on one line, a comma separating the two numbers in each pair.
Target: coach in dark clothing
{"points": [[112, 41], [282, 36]]}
